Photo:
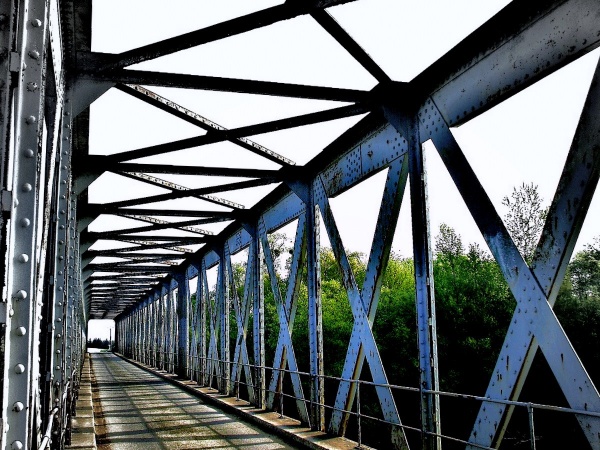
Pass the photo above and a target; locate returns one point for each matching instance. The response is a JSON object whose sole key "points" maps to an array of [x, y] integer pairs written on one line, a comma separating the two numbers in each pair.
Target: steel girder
{"points": [[46, 243]]}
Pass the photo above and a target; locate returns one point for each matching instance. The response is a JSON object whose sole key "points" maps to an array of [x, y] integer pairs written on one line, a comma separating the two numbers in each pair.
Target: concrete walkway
{"points": [[137, 410]]}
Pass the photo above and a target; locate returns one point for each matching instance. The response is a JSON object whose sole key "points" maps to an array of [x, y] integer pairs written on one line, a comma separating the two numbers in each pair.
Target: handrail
{"points": [[47, 436], [194, 369]]}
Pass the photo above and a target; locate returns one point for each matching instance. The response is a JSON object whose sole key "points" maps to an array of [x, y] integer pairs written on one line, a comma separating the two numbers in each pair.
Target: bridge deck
{"points": [[140, 410]]}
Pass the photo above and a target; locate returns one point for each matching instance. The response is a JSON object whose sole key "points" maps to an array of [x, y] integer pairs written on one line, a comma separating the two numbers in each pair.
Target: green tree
{"points": [[584, 272], [525, 218]]}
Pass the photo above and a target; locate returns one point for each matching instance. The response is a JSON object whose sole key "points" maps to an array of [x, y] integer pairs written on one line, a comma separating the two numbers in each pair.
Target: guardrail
{"points": [[170, 360]]}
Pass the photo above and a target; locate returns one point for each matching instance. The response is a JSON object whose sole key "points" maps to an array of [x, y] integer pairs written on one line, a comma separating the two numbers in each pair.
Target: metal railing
{"points": [[196, 373], [47, 438]]}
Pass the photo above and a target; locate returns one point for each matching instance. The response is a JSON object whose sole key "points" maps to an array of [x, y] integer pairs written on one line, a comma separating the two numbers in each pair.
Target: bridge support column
{"points": [[183, 308], [258, 311], [315, 314], [424, 287], [21, 197]]}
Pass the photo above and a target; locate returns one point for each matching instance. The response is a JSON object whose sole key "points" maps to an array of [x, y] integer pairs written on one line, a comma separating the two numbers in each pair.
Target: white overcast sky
{"points": [[524, 139]]}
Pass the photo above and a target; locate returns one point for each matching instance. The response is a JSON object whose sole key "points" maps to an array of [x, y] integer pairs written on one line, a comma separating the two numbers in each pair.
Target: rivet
{"points": [[23, 258], [21, 331], [19, 368], [62, 211], [34, 54], [36, 23], [25, 222], [57, 367], [30, 120], [29, 153], [11, 312], [58, 336], [18, 407], [21, 295], [58, 351], [26, 187], [17, 445]]}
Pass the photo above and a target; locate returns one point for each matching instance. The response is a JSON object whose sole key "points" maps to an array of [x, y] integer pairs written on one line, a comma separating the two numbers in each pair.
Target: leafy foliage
{"points": [[474, 307], [525, 218]]}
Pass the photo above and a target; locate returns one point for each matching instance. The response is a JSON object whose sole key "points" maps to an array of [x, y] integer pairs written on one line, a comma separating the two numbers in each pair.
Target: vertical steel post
{"points": [[425, 300], [8, 17], [22, 200], [258, 319], [223, 308], [202, 298], [168, 326], [183, 307], [315, 313]]}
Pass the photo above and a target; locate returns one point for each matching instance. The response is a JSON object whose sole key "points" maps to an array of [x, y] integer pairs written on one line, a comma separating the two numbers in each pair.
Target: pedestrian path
{"points": [[137, 410]]}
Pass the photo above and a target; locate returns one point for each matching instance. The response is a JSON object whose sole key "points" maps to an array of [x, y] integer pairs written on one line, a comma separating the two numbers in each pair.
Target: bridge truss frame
{"points": [[48, 78]]}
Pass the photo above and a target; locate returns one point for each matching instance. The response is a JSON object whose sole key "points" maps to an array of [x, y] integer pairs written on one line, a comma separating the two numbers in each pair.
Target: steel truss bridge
{"points": [[56, 277]]}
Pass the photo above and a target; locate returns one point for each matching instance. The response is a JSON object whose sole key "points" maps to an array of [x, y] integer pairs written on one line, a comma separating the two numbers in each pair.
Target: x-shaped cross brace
{"points": [[364, 304], [286, 313], [242, 314]]}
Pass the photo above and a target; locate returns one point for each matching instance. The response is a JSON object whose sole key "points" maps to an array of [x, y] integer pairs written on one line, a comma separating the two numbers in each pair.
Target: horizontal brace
{"points": [[154, 181], [126, 268], [174, 239], [192, 192], [207, 83], [176, 110], [228, 215], [216, 136], [184, 170]]}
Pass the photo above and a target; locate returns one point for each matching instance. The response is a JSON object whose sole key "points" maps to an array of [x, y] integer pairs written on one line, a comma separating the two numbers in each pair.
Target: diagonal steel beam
{"points": [[523, 43], [361, 321], [563, 224], [350, 45], [380, 250], [242, 315], [285, 332], [533, 313], [212, 33]]}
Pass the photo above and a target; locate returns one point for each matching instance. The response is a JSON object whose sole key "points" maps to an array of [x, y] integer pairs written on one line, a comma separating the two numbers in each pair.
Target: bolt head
{"points": [[19, 369], [23, 258], [21, 331], [18, 407], [36, 23], [34, 54], [29, 153], [21, 295], [25, 222], [26, 187], [17, 445], [30, 120]]}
